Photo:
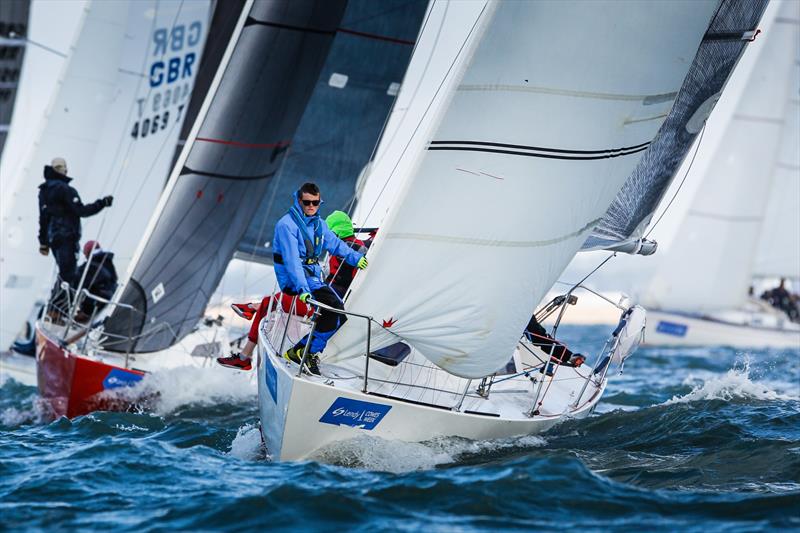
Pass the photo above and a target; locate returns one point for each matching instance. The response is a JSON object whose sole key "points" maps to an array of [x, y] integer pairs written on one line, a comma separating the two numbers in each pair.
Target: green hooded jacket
{"points": [[340, 224]]}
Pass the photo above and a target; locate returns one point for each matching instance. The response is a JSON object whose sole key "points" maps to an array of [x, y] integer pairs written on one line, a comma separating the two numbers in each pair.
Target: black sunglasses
{"points": [[310, 202]]}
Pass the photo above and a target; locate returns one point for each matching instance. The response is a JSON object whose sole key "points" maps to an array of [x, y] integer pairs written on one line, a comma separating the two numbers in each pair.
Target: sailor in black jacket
{"points": [[60, 212]]}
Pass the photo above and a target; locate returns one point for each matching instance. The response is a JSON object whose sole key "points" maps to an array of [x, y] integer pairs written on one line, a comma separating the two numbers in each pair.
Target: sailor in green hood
{"points": [[342, 274]]}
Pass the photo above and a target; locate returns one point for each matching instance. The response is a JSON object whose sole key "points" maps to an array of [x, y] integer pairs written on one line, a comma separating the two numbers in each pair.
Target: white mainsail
{"points": [[778, 252], [130, 70], [710, 265], [527, 154]]}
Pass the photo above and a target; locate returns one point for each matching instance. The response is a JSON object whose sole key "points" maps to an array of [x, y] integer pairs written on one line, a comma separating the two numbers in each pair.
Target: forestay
{"points": [[13, 34], [623, 226], [778, 252], [345, 115], [710, 264], [249, 117], [541, 129], [125, 74]]}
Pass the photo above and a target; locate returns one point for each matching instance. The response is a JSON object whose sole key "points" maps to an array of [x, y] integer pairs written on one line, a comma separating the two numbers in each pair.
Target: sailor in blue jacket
{"points": [[301, 238]]}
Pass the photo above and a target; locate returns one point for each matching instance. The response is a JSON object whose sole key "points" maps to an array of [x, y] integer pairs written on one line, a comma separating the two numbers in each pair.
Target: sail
{"points": [[13, 32], [778, 253], [115, 114], [237, 145], [624, 224], [346, 113], [710, 264], [529, 149]]}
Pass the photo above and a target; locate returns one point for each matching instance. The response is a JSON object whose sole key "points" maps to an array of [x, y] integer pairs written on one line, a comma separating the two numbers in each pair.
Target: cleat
{"points": [[246, 311], [235, 361]]}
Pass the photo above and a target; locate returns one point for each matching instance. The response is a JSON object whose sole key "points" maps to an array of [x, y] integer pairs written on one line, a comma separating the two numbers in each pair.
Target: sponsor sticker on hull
{"points": [[120, 378], [671, 328], [355, 413]]}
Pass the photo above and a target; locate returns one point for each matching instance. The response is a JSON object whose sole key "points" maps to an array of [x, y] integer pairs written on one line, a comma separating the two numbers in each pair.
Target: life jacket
{"points": [[313, 242]]}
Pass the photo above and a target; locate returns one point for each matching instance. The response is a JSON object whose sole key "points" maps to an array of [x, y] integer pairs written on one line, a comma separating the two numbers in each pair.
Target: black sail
{"points": [[214, 191], [345, 115], [13, 35], [728, 34]]}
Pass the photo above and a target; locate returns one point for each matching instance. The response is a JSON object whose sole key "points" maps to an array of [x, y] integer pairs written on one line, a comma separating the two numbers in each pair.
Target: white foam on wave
{"points": [[373, 453], [247, 444], [28, 413], [164, 391], [735, 383]]}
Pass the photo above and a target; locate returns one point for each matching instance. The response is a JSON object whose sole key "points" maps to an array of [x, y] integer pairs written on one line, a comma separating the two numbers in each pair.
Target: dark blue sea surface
{"points": [[685, 439]]}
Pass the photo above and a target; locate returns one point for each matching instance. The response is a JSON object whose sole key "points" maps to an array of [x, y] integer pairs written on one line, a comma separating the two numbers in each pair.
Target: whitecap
{"points": [[735, 383], [247, 444]]}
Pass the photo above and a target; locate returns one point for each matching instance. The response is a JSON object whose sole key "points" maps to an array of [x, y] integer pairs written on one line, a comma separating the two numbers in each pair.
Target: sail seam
{"points": [[647, 99], [494, 243], [729, 218]]}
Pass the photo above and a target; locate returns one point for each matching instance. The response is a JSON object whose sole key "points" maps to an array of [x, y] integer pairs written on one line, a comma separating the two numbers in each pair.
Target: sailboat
{"points": [[743, 221], [531, 132], [115, 141], [235, 154]]}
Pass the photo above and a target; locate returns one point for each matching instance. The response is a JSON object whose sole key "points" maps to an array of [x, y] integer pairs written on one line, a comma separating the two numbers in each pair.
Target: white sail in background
{"points": [[129, 72], [709, 266], [545, 121], [778, 252]]}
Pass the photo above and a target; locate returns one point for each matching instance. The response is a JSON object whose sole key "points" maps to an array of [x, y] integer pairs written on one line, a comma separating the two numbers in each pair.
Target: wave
{"points": [[736, 383]]}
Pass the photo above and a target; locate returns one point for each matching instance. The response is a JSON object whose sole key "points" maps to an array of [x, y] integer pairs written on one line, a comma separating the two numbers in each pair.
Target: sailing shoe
{"points": [[294, 354], [246, 311], [312, 364], [237, 361]]}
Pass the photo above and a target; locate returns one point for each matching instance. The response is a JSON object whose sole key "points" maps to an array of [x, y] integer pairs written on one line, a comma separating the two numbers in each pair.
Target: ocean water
{"points": [[685, 439]]}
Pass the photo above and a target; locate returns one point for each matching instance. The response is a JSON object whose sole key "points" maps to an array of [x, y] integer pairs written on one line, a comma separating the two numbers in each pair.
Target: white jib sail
{"points": [[127, 71], [547, 117], [710, 264], [778, 252]]}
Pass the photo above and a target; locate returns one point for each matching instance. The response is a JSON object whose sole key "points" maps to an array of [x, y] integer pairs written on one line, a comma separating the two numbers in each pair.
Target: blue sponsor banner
{"points": [[671, 328], [355, 413], [271, 377], [120, 378]]}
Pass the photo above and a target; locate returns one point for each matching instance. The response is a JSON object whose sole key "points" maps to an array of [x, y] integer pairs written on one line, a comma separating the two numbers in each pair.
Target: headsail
{"points": [[115, 116], [237, 145], [721, 229], [13, 32], [346, 113], [623, 226], [537, 136]]}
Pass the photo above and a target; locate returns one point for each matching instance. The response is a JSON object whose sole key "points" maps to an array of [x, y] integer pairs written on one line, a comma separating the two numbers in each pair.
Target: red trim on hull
{"points": [[69, 384]]}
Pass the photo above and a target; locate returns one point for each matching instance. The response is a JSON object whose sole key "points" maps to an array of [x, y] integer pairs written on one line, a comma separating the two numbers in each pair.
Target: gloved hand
{"points": [[108, 200], [362, 263], [305, 296], [44, 249]]}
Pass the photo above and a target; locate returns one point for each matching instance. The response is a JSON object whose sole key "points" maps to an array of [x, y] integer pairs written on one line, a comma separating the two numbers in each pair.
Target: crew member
{"points": [[559, 353], [340, 273], [100, 278], [60, 213], [301, 237]]}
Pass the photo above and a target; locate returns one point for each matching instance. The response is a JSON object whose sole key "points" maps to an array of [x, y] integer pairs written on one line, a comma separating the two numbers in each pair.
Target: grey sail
{"points": [[623, 225], [250, 115], [345, 115], [13, 34], [223, 22]]}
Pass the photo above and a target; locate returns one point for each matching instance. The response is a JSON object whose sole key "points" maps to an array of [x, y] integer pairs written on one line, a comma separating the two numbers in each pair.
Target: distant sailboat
{"points": [[115, 116], [517, 154], [743, 221]]}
